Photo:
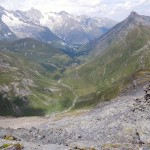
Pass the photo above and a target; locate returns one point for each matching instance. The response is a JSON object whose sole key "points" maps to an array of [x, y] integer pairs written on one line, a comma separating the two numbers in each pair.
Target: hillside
{"points": [[120, 56], [29, 73]]}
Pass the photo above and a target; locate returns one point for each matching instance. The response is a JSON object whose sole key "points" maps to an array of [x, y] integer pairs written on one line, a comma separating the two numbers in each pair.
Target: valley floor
{"points": [[121, 124]]}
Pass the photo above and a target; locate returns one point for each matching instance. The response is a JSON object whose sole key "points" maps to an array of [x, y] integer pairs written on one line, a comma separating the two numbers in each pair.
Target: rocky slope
{"points": [[122, 123]]}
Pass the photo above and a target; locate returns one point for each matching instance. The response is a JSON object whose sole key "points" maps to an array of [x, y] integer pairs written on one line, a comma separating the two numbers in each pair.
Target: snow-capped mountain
{"points": [[75, 30], [66, 27], [33, 15], [72, 29], [5, 32], [21, 26], [95, 27], [52, 26]]}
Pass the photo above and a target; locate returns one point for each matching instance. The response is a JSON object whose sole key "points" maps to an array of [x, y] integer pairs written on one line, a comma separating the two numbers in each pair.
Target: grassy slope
{"points": [[105, 76], [43, 66]]}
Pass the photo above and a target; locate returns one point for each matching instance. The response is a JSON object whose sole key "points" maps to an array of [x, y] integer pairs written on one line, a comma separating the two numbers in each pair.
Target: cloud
{"points": [[122, 8], [114, 9]]}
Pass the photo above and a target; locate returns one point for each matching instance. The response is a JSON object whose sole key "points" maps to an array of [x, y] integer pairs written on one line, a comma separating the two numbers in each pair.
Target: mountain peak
{"points": [[34, 14], [138, 19], [32, 10], [133, 14], [2, 8], [63, 13]]}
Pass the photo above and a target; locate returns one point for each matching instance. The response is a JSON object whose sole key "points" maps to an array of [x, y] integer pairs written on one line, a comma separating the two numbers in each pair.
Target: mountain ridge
{"points": [[118, 32], [58, 26]]}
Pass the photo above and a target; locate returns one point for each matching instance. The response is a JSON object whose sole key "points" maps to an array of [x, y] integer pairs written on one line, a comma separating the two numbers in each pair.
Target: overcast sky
{"points": [[113, 9]]}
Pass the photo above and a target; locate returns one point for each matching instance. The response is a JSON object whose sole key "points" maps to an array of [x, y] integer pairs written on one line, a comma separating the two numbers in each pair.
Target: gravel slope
{"points": [[122, 124]]}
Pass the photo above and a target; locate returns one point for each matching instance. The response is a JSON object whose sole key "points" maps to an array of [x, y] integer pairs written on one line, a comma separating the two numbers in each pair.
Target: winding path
{"points": [[76, 96], [28, 122]]}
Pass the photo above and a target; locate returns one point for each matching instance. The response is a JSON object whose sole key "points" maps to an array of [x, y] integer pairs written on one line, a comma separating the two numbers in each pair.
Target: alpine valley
{"points": [[36, 49], [88, 80]]}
